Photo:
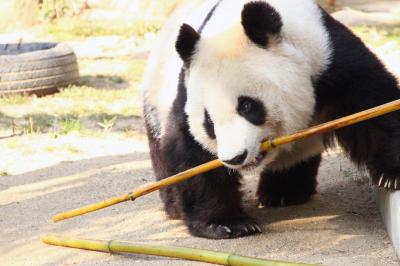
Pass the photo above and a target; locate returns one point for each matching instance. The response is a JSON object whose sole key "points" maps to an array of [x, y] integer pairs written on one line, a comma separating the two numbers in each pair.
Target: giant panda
{"points": [[228, 75]]}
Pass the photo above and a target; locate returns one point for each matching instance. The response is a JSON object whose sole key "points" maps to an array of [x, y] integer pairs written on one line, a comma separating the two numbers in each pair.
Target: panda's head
{"points": [[245, 83]]}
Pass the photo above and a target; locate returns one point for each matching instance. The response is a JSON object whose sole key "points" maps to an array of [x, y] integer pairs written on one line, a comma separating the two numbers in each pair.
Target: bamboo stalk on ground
{"points": [[164, 251], [150, 187]]}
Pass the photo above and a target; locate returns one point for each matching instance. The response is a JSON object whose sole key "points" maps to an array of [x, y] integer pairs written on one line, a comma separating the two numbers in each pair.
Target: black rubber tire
{"points": [[36, 68]]}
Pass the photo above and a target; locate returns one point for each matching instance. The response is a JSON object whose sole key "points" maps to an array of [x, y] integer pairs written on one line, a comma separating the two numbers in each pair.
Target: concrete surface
{"points": [[389, 205]]}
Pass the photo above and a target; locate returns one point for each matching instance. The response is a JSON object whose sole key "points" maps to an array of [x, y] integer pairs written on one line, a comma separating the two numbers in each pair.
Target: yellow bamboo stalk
{"points": [[150, 187], [164, 251]]}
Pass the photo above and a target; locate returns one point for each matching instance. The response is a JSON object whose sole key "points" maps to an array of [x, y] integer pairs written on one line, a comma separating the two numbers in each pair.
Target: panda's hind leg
{"points": [[167, 194], [290, 186]]}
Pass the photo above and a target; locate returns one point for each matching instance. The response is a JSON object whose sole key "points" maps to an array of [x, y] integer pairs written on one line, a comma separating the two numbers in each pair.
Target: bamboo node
{"points": [[109, 246], [131, 197], [272, 142]]}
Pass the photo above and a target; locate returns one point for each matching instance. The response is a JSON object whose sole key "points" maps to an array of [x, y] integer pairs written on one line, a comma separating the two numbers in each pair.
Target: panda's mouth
{"points": [[254, 163]]}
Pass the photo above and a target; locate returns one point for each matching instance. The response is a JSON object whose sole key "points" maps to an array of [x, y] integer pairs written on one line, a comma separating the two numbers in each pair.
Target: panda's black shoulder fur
{"points": [[356, 80], [353, 71]]}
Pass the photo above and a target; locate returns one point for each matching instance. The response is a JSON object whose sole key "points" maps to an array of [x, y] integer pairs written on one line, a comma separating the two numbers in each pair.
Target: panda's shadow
{"points": [[335, 205]]}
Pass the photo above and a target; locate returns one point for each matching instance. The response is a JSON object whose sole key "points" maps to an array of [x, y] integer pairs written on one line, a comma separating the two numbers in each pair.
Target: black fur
{"points": [[209, 125], [356, 80], [186, 43], [255, 113], [290, 186], [260, 20], [167, 194]]}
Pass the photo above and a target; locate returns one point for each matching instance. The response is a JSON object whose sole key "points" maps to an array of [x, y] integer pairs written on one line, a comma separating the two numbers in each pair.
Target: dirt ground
{"points": [[341, 225]]}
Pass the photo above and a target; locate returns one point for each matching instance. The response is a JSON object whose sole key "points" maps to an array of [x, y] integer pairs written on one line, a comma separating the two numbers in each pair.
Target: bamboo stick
{"points": [[150, 187], [164, 251]]}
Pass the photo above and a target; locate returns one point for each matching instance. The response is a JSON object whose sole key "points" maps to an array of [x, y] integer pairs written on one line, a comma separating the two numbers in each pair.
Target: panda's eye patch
{"points": [[251, 109], [208, 125]]}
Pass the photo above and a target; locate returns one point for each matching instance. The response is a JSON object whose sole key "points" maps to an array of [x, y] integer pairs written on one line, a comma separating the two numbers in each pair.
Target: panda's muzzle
{"points": [[237, 160]]}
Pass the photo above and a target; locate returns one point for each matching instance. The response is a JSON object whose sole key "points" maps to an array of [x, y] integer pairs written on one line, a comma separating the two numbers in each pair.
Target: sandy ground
{"points": [[340, 226]]}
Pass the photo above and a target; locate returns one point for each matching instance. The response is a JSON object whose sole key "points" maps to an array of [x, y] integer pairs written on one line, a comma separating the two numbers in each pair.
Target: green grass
{"points": [[72, 149], [116, 70], [115, 79], [77, 101], [108, 97], [135, 70], [70, 124], [377, 36], [3, 173], [107, 123], [14, 99], [79, 28], [79, 109], [71, 110]]}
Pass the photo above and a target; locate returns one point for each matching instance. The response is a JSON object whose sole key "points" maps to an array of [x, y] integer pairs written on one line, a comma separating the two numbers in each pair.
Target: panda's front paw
{"points": [[388, 182], [282, 199], [226, 229]]}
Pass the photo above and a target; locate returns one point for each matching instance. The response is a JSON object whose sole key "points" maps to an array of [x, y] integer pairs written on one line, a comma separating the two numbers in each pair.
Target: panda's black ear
{"points": [[186, 43], [260, 21]]}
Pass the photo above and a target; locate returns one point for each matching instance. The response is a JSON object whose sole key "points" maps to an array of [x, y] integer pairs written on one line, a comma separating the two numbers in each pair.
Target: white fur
{"points": [[227, 65]]}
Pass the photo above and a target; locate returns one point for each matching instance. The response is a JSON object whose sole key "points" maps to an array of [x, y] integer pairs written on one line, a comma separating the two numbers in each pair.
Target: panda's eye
{"points": [[245, 107], [252, 109]]}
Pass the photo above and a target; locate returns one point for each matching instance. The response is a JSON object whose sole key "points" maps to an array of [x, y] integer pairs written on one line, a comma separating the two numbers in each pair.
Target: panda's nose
{"points": [[238, 159]]}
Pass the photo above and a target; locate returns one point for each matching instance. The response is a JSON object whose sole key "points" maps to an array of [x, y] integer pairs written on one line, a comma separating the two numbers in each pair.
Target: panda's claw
{"points": [[380, 181], [396, 184], [228, 229], [258, 228], [389, 182], [252, 228], [245, 228], [212, 226]]}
